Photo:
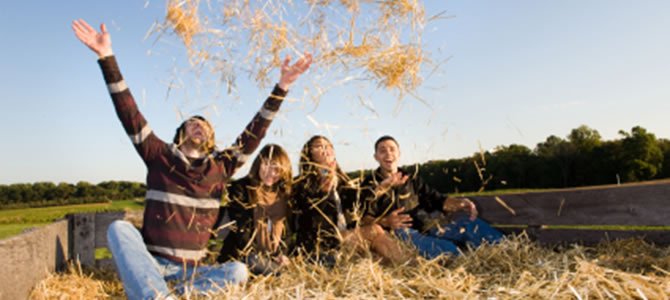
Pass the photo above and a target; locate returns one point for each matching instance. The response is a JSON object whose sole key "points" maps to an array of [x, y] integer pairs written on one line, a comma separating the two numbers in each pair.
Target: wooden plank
{"points": [[107, 264], [29, 257], [591, 237], [102, 221], [82, 230], [645, 204]]}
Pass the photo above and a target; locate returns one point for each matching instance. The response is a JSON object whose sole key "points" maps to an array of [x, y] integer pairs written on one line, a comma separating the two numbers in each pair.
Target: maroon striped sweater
{"points": [[183, 194]]}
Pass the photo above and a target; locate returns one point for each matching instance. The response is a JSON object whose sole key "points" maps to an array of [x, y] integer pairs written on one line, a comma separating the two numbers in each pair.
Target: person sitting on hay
{"points": [[185, 182], [260, 206], [396, 198]]}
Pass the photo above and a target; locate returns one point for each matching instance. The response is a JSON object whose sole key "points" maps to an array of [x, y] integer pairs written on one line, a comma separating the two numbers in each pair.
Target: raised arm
{"points": [[139, 132], [253, 133]]}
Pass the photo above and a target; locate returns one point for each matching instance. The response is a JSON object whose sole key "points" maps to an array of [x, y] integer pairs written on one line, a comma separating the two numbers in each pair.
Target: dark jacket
{"points": [[415, 196], [316, 214], [241, 211]]}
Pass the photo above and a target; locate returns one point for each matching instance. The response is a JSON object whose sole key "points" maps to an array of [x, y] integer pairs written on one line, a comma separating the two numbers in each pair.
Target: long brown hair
{"points": [[309, 169], [272, 153]]}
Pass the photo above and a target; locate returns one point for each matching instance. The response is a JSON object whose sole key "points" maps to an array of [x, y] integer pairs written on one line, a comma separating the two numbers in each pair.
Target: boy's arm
{"points": [[141, 135], [139, 132], [433, 200], [384, 216], [247, 142], [429, 198]]}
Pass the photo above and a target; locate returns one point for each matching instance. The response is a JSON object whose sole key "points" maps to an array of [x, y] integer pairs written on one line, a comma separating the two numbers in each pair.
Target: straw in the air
{"points": [[183, 16]]}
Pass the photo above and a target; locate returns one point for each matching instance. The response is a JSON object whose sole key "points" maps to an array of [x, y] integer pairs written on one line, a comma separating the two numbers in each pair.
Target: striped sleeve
{"points": [[136, 127], [247, 142]]}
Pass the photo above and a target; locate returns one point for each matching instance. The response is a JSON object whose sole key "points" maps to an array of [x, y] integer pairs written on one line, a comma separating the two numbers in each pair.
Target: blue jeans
{"points": [[145, 276], [462, 231]]}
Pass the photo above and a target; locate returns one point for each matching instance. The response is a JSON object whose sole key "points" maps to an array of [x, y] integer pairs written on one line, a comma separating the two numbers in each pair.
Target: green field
{"points": [[15, 221]]}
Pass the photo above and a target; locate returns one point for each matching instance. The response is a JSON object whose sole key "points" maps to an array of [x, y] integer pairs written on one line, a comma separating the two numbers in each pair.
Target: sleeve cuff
{"points": [[278, 93]]}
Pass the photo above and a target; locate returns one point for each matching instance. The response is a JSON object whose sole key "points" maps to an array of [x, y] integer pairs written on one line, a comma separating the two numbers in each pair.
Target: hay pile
{"points": [[78, 283], [378, 41], [514, 269]]}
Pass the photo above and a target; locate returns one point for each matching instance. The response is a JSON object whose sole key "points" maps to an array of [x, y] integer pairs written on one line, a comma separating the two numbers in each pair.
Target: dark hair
{"points": [[181, 131], [385, 138], [309, 169]]}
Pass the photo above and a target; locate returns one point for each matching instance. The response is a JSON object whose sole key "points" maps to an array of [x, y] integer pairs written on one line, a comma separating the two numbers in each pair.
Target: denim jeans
{"points": [[433, 243], [145, 276]]}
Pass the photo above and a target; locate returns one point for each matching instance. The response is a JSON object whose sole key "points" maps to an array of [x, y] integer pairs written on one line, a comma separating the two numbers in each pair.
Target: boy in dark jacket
{"points": [[396, 198]]}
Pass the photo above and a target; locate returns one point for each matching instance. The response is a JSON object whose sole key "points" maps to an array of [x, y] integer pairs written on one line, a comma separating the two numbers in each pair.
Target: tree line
{"points": [[37, 194], [582, 158]]}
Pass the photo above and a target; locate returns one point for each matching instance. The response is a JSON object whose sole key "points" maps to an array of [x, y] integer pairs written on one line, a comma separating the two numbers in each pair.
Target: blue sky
{"points": [[517, 72]]}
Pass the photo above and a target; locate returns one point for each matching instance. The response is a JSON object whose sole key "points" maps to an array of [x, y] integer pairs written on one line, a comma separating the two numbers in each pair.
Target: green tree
{"points": [[511, 164], [584, 138], [584, 141], [664, 144], [64, 191], [45, 190], [558, 156], [642, 156]]}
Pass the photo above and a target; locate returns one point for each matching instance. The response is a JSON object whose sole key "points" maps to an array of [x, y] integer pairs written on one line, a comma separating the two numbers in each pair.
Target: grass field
{"points": [[15, 221]]}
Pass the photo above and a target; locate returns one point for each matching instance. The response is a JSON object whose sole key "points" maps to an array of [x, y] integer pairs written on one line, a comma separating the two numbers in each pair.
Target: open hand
{"points": [[395, 179], [289, 73], [460, 204], [396, 219], [99, 42]]}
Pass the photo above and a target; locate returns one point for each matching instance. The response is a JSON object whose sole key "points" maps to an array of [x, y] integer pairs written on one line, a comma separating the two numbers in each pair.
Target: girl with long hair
{"points": [[259, 205]]}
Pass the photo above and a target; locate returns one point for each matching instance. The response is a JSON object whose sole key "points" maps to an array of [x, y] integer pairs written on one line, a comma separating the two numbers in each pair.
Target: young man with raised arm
{"points": [[185, 181]]}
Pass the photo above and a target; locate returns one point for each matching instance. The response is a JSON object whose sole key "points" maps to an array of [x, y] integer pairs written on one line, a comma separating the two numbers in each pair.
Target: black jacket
{"points": [[415, 196], [316, 214], [242, 212]]}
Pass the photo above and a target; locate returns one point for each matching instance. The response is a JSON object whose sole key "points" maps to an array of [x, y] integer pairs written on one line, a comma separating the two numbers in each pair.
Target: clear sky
{"points": [[518, 71]]}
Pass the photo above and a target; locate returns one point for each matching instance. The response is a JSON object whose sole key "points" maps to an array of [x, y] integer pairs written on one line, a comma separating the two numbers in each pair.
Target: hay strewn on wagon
{"points": [[517, 268]]}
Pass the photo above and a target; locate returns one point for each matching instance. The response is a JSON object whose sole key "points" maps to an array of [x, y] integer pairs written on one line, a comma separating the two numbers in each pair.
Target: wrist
{"points": [[283, 85], [382, 222], [105, 53]]}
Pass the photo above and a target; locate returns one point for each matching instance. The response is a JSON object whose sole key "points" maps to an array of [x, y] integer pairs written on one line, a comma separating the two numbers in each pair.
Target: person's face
{"points": [[322, 152], [269, 172], [387, 154], [197, 131]]}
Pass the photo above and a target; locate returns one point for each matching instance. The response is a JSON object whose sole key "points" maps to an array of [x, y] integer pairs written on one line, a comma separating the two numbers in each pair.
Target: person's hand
{"points": [[98, 42], [289, 73], [395, 179], [282, 260], [460, 204], [396, 219]]}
